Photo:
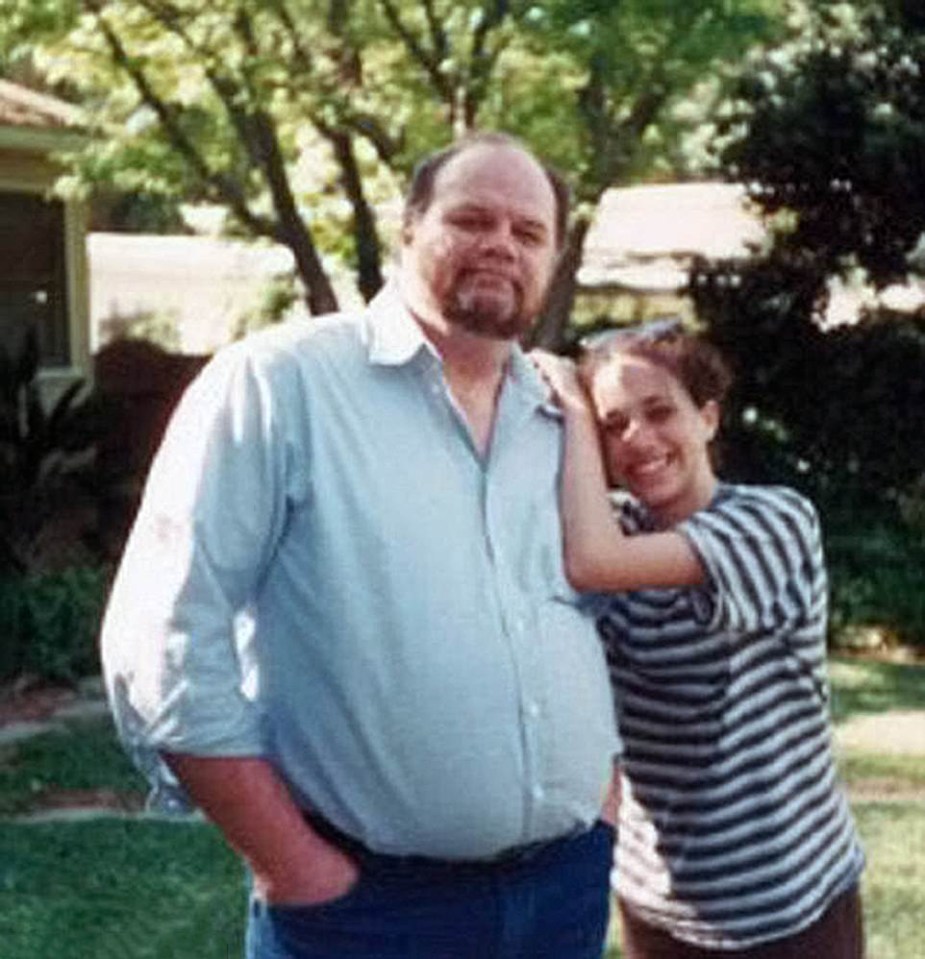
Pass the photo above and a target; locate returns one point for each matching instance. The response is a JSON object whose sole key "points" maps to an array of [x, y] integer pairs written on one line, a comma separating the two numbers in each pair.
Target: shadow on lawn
{"points": [[867, 686]]}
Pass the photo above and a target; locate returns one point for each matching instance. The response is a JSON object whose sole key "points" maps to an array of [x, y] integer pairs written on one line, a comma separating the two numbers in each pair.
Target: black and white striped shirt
{"points": [[733, 829]]}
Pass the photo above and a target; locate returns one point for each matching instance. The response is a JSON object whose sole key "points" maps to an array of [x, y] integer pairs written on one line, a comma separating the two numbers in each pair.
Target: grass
{"points": [[867, 686], [154, 890], [894, 883], [899, 773], [84, 756], [115, 889]]}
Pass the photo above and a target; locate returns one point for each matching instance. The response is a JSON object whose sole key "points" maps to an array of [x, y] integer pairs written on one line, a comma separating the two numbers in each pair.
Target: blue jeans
{"points": [[553, 903]]}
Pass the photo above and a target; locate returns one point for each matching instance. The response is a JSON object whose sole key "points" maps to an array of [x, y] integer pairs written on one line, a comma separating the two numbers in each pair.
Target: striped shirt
{"points": [[733, 829]]}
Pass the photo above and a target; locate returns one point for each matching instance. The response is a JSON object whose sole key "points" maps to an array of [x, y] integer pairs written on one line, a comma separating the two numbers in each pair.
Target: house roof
{"points": [[22, 107], [644, 237]]}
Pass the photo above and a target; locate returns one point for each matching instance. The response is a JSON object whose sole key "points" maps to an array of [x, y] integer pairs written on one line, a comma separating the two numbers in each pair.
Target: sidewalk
{"points": [[32, 711], [28, 710]]}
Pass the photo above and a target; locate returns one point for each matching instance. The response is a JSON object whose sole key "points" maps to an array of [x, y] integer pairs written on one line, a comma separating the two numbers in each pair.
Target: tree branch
{"points": [[429, 62], [219, 185], [482, 61]]}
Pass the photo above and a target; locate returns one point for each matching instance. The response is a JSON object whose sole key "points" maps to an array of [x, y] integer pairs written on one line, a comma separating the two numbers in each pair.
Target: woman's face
{"points": [[655, 438]]}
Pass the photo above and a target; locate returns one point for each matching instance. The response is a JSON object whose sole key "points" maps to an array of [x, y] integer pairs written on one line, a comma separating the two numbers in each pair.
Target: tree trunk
{"points": [[319, 294], [291, 229], [549, 331], [365, 234]]}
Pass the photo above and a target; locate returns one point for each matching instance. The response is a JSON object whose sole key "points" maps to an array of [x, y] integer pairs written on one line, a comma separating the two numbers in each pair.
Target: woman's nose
{"points": [[634, 431]]}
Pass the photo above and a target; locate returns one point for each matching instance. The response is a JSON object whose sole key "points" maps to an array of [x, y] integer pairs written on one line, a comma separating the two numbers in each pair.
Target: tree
{"points": [[828, 130], [301, 116], [619, 79]]}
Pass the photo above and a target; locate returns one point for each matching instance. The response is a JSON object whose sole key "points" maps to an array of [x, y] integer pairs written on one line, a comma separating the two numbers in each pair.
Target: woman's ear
{"points": [[710, 414]]}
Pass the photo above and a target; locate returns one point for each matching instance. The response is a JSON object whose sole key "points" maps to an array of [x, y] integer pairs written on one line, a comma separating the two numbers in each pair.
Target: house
{"points": [[643, 240], [43, 271], [191, 294]]}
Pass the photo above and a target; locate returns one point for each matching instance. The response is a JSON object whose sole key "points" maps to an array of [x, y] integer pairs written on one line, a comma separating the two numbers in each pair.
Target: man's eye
{"points": [[470, 222], [530, 236]]}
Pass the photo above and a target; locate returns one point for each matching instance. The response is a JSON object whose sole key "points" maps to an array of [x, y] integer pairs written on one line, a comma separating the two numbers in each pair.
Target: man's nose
{"points": [[501, 240]]}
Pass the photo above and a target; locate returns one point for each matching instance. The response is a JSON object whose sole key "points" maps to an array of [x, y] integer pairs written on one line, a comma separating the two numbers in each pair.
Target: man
{"points": [[342, 620]]}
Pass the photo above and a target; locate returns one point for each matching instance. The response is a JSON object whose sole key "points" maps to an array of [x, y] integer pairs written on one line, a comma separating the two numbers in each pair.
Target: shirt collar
{"points": [[395, 337]]}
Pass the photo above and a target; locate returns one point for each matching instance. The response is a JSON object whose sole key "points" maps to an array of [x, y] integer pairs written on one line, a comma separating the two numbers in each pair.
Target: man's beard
{"points": [[488, 313]]}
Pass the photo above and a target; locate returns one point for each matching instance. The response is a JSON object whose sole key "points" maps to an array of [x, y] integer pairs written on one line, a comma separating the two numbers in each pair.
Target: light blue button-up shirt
{"points": [[327, 573]]}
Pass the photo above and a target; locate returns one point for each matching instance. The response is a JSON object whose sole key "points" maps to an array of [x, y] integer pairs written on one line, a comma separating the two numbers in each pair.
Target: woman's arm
{"points": [[598, 555]]}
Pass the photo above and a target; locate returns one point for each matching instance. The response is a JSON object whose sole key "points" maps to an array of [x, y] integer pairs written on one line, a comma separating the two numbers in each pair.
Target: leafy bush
{"points": [[49, 623], [875, 566], [826, 130], [47, 462]]}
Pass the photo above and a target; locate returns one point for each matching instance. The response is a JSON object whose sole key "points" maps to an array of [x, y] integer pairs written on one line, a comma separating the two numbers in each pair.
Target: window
{"points": [[33, 276]]}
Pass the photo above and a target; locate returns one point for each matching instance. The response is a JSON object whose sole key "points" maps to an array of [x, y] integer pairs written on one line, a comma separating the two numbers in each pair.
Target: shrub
{"points": [[875, 566], [47, 463], [49, 623]]}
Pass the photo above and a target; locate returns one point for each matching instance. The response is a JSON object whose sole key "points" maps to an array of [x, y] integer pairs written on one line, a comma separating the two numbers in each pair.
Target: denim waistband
{"points": [[509, 858]]}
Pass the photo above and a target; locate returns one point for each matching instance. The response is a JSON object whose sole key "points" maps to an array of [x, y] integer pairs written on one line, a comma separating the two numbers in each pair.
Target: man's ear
{"points": [[407, 230]]}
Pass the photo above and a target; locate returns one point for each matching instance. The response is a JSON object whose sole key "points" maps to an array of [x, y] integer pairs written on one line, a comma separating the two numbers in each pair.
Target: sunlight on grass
{"points": [[893, 835], [902, 772], [866, 686]]}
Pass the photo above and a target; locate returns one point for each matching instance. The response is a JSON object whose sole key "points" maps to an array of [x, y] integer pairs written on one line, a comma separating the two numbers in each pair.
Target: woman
{"points": [[734, 838]]}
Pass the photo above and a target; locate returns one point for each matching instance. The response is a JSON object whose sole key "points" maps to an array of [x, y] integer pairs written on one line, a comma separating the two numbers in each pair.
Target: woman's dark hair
{"points": [[693, 361], [421, 191]]}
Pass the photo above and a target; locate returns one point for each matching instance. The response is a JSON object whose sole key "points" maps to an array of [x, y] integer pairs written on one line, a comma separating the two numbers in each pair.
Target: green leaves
{"points": [[224, 101], [828, 131]]}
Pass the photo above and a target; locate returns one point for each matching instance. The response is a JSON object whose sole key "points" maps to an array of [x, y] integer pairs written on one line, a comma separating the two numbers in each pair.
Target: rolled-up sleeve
{"points": [[175, 638]]}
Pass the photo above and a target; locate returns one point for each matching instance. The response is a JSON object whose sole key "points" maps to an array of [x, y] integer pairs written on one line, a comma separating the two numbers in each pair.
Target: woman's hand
{"points": [[561, 374]]}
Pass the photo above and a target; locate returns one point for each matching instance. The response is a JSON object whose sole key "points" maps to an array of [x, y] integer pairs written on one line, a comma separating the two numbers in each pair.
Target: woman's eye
{"points": [[615, 427], [659, 414]]}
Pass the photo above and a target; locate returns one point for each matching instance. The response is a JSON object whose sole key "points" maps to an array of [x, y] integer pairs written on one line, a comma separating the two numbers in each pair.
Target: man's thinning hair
{"points": [[421, 191]]}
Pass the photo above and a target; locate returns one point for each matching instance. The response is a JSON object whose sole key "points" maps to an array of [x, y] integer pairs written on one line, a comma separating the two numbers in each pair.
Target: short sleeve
{"points": [[761, 549]]}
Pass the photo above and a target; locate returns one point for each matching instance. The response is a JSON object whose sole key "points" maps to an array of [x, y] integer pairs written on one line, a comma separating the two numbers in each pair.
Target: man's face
{"points": [[484, 250]]}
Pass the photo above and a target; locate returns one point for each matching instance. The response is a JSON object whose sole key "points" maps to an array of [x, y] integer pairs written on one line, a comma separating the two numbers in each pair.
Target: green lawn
{"points": [[82, 756], [894, 883], [118, 889], [864, 686], [130, 889]]}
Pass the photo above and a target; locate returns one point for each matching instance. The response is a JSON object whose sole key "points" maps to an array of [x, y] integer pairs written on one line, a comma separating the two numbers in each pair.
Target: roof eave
{"points": [[34, 140]]}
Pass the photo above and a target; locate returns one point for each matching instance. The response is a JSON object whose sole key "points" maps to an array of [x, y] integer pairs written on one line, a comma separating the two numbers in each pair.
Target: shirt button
{"points": [[539, 792], [533, 710]]}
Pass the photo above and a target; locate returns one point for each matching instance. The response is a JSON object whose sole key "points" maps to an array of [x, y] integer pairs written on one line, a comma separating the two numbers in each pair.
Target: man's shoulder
{"points": [[334, 337], [329, 331]]}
